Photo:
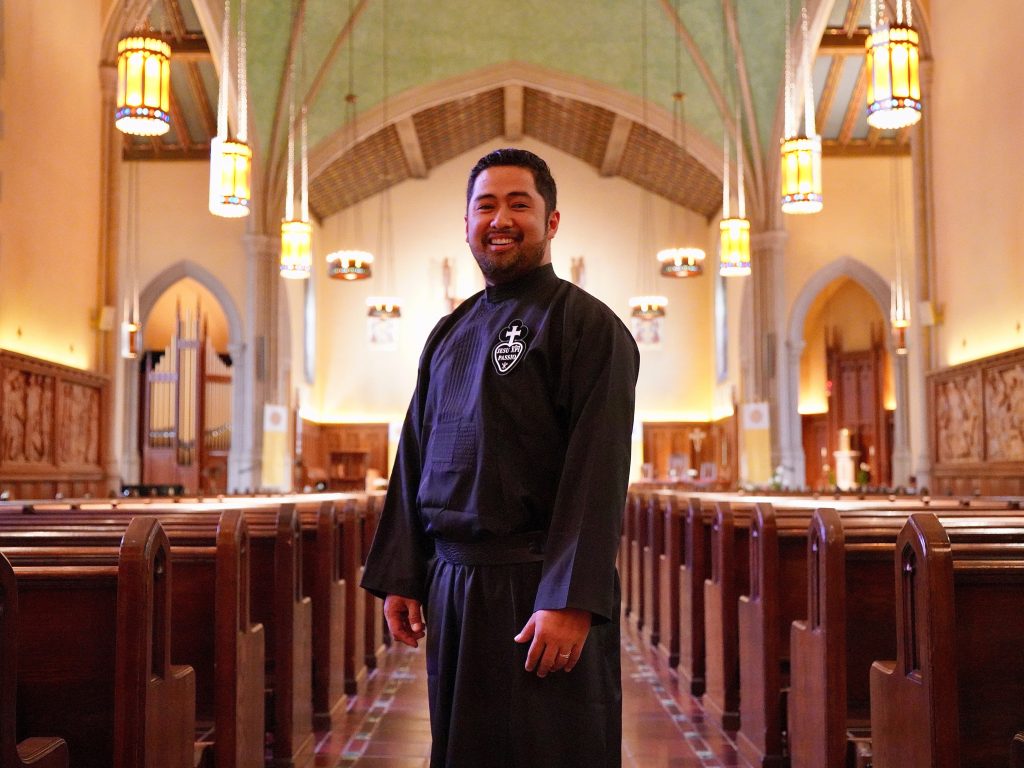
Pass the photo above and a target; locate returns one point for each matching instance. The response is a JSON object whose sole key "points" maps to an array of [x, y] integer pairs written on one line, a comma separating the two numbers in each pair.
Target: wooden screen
{"points": [[857, 380], [186, 411]]}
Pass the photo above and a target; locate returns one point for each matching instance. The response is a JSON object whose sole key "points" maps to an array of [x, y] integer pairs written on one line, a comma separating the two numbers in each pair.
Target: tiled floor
{"points": [[387, 725]]}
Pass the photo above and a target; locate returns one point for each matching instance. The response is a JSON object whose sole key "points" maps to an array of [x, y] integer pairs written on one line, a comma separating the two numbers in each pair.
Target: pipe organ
{"points": [[186, 406]]}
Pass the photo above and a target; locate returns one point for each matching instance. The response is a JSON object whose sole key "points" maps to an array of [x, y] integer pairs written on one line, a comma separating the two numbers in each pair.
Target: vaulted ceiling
{"points": [[594, 78]]}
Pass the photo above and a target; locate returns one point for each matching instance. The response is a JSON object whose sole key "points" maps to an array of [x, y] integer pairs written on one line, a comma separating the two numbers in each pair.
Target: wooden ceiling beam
{"points": [[616, 146], [860, 148], [856, 104], [852, 15], [836, 41], [829, 91], [513, 97], [411, 147]]}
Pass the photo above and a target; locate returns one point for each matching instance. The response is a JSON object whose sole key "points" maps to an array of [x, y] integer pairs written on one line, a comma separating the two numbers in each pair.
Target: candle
{"points": [[844, 439]]}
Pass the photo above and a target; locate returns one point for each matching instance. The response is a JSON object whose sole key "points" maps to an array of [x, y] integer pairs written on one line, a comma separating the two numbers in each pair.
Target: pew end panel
{"points": [[293, 662], [145, 680], [905, 692], [729, 564], [668, 570], [692, 667], [35, 751], [761, 708], [326, 585], [817, 734], [239, 668]]}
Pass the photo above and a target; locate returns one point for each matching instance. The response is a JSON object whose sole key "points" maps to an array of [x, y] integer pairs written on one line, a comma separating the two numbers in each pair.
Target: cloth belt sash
{"points": [[507, 550]]}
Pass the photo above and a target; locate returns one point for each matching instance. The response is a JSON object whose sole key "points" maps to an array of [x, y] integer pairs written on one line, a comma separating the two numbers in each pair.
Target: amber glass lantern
{"points": [[894, 79], [143, 85], [296, 249], [231, 171], [801, 175], [735, 248]]}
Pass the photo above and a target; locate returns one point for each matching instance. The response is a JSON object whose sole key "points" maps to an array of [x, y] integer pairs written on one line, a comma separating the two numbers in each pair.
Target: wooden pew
{"points": [[277, 601], [213, 632], [692, 571], [670, 558], [374, 646], [954, 696], [851, 621], [36, 751], [652, 553], [94, 654]]}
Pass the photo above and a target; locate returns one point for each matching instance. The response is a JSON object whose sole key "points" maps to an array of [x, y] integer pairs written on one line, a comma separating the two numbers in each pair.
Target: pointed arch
{"points": [[180, 270]]}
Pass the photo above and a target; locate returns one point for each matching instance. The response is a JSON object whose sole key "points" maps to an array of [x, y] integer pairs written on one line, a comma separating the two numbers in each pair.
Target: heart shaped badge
{"points": [[510, 347]]}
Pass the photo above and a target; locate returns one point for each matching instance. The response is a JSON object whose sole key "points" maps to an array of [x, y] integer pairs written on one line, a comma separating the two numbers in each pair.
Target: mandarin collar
{"points": [[542, 275]]}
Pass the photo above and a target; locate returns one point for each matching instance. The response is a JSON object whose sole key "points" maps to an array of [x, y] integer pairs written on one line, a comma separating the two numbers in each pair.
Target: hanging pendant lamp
{"points": [[143, 84], [296, 232], [231, 159], [893, 60], [801, 153], [734, 243]]}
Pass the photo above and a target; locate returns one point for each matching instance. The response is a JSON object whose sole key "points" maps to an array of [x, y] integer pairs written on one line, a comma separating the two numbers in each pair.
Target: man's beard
{"points": [[503, 268]]}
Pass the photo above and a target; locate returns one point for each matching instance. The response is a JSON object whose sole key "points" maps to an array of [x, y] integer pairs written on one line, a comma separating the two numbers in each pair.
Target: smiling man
{"points": [[498, 536]]}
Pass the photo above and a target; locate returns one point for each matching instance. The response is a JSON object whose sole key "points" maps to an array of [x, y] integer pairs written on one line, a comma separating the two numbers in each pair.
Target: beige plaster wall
{"points": [[857, 221], [977, 120], [49, 191], [175, 226]]}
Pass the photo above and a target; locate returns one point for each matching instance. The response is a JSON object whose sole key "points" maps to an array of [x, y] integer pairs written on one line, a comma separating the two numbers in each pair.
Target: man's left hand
{"points": [[556, 639]]}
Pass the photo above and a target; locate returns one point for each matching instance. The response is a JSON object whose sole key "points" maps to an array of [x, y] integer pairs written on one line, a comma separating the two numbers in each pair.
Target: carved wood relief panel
{"points": [[80, 414], [27, 417], [51, 419], [1004, 412], [977, 412], [958, 413]]}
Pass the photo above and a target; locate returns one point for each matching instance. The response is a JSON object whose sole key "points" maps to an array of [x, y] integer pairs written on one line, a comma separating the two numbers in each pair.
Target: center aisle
{"points": [[387, 726]]}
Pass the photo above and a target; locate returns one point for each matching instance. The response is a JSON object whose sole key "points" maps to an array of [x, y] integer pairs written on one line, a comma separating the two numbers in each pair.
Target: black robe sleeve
{"points": [[397, 561], [598, 386]]}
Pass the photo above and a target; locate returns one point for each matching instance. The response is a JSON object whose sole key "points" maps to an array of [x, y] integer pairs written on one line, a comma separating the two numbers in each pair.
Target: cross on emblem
{"points": [[510, 347], [514, 330]]}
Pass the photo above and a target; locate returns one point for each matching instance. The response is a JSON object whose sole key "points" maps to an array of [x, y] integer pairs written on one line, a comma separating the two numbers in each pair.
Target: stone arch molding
{"points": [[182, 269], [242, 418], [879, 290], [847, 266]]}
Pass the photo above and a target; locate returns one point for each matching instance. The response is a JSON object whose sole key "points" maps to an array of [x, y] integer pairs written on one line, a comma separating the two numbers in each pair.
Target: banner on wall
{"points": [[382, 333], [647, 332], [755, 444], [275, 446]]}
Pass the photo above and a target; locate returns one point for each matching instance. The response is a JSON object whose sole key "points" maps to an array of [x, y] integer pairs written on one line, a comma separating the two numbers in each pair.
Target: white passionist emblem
{"points": [[510, 347]]}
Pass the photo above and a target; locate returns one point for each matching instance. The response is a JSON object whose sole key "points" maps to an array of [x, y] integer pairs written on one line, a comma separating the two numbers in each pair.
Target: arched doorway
{"points": [[851, 298], [183, 397]]}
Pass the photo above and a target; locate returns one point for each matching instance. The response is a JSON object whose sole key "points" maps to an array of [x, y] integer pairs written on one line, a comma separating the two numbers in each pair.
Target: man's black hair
{"points": [[520, 158]]}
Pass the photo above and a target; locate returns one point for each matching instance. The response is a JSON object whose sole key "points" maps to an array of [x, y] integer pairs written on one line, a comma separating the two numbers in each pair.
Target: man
{"points": [[505, 505]]}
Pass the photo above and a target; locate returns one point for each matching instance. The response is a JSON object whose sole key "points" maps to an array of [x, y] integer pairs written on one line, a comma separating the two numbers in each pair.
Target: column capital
{"points": [[773, 240], [262, 246], [108, 80]]}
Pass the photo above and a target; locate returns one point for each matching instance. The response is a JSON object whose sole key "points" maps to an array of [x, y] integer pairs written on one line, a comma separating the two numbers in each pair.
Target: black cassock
{"points": [[519, 430]]}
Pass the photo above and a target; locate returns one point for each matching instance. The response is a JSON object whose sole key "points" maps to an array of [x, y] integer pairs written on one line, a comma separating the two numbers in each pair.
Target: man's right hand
{"points": [[405, 619]]}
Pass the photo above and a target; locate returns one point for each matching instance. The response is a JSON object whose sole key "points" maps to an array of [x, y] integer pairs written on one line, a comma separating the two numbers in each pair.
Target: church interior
{"points": [[779, 199]]}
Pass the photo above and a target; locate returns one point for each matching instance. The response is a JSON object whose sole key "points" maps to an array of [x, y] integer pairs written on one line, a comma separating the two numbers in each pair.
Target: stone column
{"points": [[901, 454], [261, 364], [117, 419], [771, 378], [923, 339]]}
